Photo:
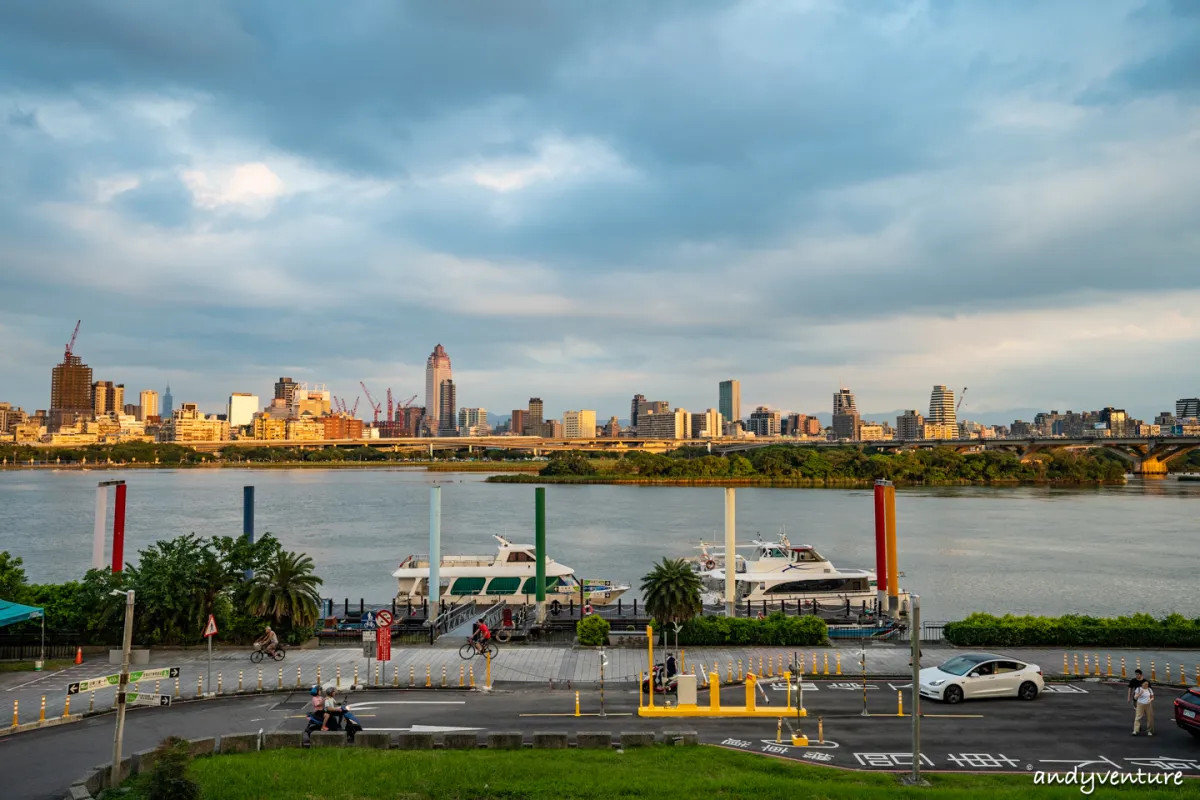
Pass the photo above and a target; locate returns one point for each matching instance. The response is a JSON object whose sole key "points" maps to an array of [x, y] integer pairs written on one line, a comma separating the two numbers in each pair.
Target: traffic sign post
{"points": [[384, 619], [144, 699], [383, 645], [368, 639], [210, 630], [114, 680]]}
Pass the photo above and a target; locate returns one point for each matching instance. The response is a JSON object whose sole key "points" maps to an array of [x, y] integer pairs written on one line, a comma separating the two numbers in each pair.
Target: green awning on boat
{"points": [[504, 586], [467, 586]]}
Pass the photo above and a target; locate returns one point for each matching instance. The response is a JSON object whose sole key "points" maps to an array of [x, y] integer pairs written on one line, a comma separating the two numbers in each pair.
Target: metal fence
{"points": [[931, 633], [28, 647]]}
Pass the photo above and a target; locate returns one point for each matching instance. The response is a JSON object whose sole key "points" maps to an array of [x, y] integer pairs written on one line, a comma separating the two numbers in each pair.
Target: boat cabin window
{"points": [[810, 587], [467, 586], [520, 557], [504, 586], [806, 556], [775, 552], [530, 586]]}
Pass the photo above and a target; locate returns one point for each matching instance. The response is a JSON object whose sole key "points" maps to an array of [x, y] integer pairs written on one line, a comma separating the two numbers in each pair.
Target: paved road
{"points": [[1083, 723], [544, 665]]}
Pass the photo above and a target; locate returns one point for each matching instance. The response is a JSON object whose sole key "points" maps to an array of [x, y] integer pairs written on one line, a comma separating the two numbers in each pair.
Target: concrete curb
{"points": [[96, 781]]}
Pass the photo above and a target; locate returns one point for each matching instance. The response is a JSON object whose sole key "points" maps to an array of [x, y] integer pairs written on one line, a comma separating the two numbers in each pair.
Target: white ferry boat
{"points": [[779, 570], [510, 574]]}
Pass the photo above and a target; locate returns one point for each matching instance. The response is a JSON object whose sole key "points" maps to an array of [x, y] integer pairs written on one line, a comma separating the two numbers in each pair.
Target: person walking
{"points": [[1134, 683], [1144, 703]]}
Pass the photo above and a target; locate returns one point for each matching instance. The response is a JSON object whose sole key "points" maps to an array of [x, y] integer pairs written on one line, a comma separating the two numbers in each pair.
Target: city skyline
{"points": [[592, 205]]}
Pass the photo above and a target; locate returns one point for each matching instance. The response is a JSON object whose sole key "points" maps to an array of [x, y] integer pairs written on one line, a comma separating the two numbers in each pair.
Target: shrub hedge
{"points": [[592, 630], [776, 629], [1138, 630]]}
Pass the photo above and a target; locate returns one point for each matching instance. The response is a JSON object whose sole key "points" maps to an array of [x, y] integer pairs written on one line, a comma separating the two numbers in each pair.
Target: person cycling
{"points": [[480, 635], [268, 642]]}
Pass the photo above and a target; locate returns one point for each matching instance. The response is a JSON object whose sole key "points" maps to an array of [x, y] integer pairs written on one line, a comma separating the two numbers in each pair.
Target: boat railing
{"points": [[422, 561], [451, 618]]}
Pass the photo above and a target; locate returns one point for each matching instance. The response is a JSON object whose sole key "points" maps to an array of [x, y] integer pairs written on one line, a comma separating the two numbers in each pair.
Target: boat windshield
{"points": [[961, 665]]}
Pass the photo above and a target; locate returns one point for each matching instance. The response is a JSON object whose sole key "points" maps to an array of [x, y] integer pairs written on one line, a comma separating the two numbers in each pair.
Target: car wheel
{"points": [[1028, 691], [952, 695]]}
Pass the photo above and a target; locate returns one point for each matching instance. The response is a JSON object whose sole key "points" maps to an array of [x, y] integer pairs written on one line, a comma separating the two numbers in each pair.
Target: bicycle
{"points": [[472, 649], [257, 655]]}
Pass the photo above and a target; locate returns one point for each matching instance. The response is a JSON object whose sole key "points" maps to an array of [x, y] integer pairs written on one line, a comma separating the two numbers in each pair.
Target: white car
{"points": [[974, 675]]}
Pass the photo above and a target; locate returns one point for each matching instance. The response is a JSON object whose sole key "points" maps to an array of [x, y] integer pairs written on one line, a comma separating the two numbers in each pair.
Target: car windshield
{"points": [[961, 665], [1191, 697]]}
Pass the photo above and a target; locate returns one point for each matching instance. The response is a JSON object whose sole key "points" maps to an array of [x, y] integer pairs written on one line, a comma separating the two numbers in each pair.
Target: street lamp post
{"points": [[127, 645]]}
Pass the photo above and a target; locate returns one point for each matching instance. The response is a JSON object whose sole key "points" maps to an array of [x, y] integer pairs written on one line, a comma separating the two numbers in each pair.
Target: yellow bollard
{"points": [[1066, 666], [1198, 674], [577, 705], [338, 683], [443, 676], [682, 661], [377, 673], [1168, 668], [779, 730], [1096, 661], [355, 684], [395, 675], [751, 697], [814, 669], [42, 713], [177, 688], [471, 675], [799, 667], [428, 676], [899, 703], [1123, 675], [218, 683], [1108, 662], [462, 676], [826, 662], [92, 702], [839, 662], [779, 660], [15, 715], [696, 672], [760, 666], [770, 667], [1076, 662], [260, 680], [1182, 676], [1153, 678], [714, 692], [280, 686], [297, 677], [67, 707], [729, 679], [1086, 668], [488, 676], [239, 681], [319, 677], [411, 676], [156, 685], [199, 687], [1137, 664], [821, 730]]}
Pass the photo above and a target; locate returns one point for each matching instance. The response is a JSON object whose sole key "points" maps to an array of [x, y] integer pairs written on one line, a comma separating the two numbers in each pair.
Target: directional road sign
{"points": [[368, 621], [115, 680], [145, 699], [384, 619]]}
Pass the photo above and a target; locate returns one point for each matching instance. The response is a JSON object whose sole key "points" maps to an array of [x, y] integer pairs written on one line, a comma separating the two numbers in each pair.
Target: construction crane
{"points": [[376, 407], [961, 397], [409, 401], [353, 411], [71, 344], [391, 414]]}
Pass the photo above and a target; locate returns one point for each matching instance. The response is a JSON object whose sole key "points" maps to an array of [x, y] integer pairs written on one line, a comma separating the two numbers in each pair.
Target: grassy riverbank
{"points": [[682, 773]]}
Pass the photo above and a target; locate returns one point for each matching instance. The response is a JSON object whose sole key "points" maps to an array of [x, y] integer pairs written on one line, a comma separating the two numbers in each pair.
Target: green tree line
{"points": [[177, 584]]}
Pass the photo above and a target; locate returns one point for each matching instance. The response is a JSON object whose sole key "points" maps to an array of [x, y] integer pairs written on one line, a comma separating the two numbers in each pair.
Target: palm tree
{"points": [[285, 589], [672, 591]]}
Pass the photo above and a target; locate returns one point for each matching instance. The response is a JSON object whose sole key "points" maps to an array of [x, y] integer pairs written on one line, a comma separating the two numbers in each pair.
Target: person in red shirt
{"points": [[481, 635]]}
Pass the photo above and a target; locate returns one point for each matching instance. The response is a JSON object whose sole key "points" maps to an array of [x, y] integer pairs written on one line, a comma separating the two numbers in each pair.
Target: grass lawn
{"points": [[666, 773], [27, 666]]}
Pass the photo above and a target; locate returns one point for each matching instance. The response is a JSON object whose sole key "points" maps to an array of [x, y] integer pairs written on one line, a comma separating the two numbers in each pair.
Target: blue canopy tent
{"points": [[12, 613]]}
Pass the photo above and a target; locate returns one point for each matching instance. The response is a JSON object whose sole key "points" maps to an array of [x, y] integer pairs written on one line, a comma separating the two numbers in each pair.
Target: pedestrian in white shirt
{"points": [[1143, 698]]}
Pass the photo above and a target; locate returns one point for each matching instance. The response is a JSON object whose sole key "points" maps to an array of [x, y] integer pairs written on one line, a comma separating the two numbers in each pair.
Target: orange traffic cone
{"points": [[78, 655]]}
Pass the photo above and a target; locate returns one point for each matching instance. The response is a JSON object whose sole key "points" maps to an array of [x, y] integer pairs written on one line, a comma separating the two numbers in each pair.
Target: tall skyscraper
{"points": [[846, 422], [516, 425], [107, 398], [730, 404], [941, 406], [910, 426], [437, 369], [638, 399], [148, 404], [1187, 407], [579, 424], [447, 402], [71, 397], [168, 404], [535, 417], [241, 409], [472, 421], [285, 389]]}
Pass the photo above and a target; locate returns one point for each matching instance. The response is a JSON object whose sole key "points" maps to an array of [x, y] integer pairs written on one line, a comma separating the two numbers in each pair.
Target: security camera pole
{"points": [[115, 775]]}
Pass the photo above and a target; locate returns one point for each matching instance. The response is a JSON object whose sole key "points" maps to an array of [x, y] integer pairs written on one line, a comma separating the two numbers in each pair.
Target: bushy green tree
{"points": [[12, 578], [285, 589], [592, 630]]}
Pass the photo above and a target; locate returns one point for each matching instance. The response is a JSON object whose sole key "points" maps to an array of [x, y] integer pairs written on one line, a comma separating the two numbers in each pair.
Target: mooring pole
{"points": [[539, 542]]}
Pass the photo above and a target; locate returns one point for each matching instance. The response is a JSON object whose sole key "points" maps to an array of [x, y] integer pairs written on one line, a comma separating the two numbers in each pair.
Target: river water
{"points": [[1103, 551]]}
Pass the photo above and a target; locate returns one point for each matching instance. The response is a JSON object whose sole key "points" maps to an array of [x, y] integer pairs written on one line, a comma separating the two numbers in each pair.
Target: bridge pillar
{"points": [[1150, 459]]}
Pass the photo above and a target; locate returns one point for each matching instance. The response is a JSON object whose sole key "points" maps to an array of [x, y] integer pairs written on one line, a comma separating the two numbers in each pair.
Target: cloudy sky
{"points": [[586, 200]]}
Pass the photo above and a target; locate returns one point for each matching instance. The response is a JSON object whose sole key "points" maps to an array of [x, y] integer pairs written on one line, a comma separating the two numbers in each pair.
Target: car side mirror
{"points": [[973, 675]]}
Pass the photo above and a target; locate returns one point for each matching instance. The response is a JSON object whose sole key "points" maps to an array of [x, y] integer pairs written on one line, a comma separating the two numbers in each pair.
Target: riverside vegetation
{"points": [[791, 465], [1137, 630]]}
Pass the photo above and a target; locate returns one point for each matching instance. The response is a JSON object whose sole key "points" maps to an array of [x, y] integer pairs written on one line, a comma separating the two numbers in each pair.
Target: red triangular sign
{"points": [[211, 628]]}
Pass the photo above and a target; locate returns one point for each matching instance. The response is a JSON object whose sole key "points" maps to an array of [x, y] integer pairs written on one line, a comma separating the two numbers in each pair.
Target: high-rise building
{"points": [[447, 403], [707, 425], [1116, 420], [10, 418], [910, 426], [664, 424], [535, 417], [316, 401], [241, 409], [812, 426], [941, 408], [469, 418], [516, 425], [653, 407], [148, 404], [765, 422], [107, 398], [168, 404], [846, 422], [636, 403], [285, 389], [730, 404], [188, 424], [579, 424], [71, 398], [612, 429], [437, 369], [1187, 407]]}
